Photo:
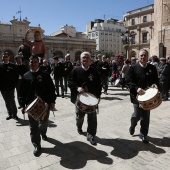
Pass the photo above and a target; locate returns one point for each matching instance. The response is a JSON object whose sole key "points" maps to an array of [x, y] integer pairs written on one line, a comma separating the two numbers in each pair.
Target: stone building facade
{"points": [[11, 35], [107, 34], [160, 43], [140, 25]]}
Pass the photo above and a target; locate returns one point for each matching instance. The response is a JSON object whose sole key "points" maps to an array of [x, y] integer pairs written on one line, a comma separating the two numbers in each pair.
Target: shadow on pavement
{"points": [[74, 155], [164, 142], [111, 98], [22, 122], [127, 149]]}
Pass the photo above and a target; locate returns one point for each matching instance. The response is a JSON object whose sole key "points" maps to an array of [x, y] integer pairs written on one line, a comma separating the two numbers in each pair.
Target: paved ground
{"points": [[66, 149]]}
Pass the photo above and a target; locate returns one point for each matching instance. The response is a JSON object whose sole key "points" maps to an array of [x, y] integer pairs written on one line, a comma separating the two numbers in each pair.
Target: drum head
{"points": [[149, 94], [31, 105], [88, 99]]}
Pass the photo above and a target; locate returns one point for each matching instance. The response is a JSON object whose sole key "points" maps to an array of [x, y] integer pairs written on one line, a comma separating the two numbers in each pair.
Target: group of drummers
{"points": [[37, 93]]}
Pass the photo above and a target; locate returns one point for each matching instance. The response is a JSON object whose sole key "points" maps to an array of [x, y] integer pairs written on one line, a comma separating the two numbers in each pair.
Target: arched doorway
{"points": [[77, 56], [133, 54]]}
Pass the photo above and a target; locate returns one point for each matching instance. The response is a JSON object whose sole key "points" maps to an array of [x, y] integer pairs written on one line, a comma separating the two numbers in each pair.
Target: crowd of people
{"points": [[34, 77]]}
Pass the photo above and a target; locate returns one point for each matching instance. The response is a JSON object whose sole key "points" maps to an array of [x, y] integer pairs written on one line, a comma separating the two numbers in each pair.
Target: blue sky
{"points": [[52, 14]]}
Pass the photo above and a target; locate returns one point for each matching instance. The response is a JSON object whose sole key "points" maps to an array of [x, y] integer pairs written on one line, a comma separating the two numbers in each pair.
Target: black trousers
{"points": [[91, 121], [38, 128], [18, 84], [9, 99], [143, 116], [57, 82], [164, 89], [104, 81]]}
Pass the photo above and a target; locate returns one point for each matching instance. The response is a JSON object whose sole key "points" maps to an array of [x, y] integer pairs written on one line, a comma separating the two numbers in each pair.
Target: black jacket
{"points": [[8, 76], [81, 78], [141, 77], [36, 84], [58, 70], [68, 66]]}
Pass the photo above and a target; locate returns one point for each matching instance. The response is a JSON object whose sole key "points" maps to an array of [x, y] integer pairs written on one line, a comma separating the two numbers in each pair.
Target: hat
{"points": [[55, 58]]}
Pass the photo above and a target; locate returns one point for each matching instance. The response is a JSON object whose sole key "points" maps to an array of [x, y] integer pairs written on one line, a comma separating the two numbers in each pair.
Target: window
{"points": [[133, 21], [133, 39], [145, 18], [144, 38]]}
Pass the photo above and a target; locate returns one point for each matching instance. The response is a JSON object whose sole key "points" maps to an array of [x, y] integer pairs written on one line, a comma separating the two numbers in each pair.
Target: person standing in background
{"points": [[68, 66], [58, 70], [22, 69], [8, 77], [24, 50]]}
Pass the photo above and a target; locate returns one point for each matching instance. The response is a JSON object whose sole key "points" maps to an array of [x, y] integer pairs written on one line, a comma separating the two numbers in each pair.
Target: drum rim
{"points": [[157, 92], [90, 94]]}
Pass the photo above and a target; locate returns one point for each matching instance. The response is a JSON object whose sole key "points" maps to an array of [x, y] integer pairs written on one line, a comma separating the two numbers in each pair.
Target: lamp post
{"points": [[126, 39]]}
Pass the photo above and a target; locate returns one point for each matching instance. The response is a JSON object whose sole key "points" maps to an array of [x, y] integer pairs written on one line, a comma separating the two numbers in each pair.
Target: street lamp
{"points": [[126, 39]]}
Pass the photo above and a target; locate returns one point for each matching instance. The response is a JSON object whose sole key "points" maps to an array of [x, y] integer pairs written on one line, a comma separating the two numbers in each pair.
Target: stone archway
{"points": [[133, 54], [77, 56]]}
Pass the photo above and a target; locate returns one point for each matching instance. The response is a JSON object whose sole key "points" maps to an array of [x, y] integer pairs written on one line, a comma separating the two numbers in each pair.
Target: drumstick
{"points": [[53, 113]]}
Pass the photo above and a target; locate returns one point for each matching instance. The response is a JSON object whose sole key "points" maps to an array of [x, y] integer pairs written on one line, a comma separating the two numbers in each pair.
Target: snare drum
{"points": [[150, 100], [86, 102], [37, 109]]}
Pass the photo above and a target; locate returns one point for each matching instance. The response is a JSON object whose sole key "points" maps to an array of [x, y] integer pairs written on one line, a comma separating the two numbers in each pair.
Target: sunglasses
{"points": [[143, 55]]}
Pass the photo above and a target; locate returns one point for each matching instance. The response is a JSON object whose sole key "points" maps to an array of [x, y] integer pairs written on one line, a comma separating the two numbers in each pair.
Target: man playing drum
{"points": [[37, 82], [85, 79], [141, 76]]}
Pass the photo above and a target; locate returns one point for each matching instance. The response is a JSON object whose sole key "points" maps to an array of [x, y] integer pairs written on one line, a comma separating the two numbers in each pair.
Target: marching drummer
{"points": [[85, 79], [37, 46], [37, 82], [141, 76]]}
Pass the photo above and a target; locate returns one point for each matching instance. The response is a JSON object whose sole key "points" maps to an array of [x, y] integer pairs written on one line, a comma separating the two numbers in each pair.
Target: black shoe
{"points": [[132, 130], [37, 150], [15, 117], [9, 117], [144, 139], [92, 141], [80, 131], [44, 137]]}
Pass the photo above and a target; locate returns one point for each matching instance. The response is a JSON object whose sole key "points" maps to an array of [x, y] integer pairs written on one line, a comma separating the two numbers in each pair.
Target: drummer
{"points": [[37, 82], [85, 79], [37, 46], [141, 76]]}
